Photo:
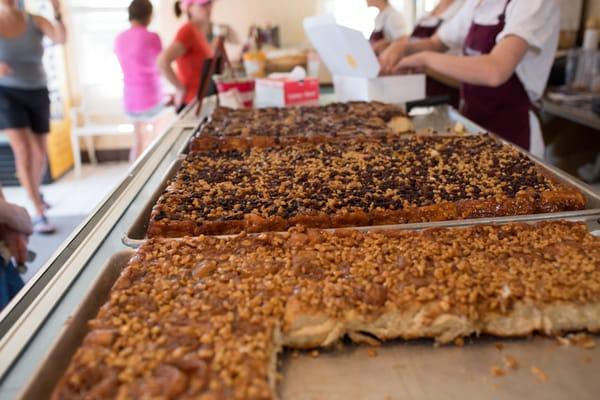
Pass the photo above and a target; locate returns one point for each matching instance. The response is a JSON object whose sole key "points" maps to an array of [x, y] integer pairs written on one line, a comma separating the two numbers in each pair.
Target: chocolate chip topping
{"points": [[347, 177]]}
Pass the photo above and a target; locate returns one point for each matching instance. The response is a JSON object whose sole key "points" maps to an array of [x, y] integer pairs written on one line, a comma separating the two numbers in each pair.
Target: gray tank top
{"points": [[24, 55]]}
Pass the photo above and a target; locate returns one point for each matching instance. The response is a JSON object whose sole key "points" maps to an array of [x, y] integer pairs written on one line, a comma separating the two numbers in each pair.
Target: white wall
{"points": [[241, 14]]}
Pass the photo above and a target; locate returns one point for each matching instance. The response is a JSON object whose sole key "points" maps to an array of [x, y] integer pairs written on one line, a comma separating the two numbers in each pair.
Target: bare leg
{"points": [[138, 141], [39, 147], [24, 163]]}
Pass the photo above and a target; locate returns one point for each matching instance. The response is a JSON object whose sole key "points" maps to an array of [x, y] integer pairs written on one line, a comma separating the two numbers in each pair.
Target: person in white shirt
{"points": [[508, 52], [389, 25], [425, 28]]}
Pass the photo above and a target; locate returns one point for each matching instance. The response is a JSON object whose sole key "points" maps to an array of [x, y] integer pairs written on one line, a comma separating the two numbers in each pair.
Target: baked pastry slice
{"points": [[360, 119], [204, 318], [232, 187]]}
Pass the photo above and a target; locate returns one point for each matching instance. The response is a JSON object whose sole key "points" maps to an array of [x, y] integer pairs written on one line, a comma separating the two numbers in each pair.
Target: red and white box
{"points": [[285, 92], [235, 93]]}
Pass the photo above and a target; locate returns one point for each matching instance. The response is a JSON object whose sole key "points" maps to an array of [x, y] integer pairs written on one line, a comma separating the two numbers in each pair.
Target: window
{"points": [[355, 13], [425, 6]]}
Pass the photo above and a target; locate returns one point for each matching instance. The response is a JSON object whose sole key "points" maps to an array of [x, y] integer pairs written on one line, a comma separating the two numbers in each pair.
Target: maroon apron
{"points": [[503, 110], [376, 36], [433, 86]]}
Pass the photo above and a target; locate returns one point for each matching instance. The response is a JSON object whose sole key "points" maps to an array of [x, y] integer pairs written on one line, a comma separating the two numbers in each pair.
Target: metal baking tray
{"points": [[136, 234], [400, 370]]}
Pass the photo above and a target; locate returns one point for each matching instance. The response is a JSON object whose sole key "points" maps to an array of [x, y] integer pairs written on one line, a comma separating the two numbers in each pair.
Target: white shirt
{"points": [[535, 21], [430, 20], [391, 23]]}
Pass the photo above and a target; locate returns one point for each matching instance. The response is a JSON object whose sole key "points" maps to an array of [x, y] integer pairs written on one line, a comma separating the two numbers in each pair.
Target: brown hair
{"points": [[178, 9], [140, 10]]}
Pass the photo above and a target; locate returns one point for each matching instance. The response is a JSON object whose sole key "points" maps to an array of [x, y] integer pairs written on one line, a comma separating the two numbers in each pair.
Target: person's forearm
{"points": [[167, 70], [60, 32], [432, 44], [5, 210], [479, 70], [59, 28]]}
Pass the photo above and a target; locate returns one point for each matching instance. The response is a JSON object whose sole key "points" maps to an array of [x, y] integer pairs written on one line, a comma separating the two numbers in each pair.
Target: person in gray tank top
{"points": [[24, 100]]}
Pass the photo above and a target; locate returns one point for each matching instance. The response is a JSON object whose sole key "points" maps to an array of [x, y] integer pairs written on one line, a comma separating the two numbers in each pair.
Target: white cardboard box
{"points": [[355, 68]]}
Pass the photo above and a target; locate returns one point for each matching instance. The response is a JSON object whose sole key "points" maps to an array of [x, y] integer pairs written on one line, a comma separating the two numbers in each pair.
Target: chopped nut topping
{"points": [[174, 327], [511, 362], [539, 374], [578, 339], [372, 353]]}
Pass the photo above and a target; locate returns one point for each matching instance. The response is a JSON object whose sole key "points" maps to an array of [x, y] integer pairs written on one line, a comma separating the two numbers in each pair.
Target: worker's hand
{"points": [[415, 63], [5, 69], [379, 46], [16, 243], [15, 218], [390, 57], [179, 97]]}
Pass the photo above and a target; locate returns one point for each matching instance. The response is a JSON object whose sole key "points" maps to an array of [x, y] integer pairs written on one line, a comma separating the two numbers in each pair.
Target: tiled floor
{"points": [[73, 195]]}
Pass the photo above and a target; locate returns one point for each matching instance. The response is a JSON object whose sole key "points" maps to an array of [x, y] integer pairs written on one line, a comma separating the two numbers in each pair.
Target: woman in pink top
{"points": [[137, 50]]}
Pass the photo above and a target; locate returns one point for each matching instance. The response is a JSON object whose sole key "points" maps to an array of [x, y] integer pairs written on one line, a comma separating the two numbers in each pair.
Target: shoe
{"points": [[45, 204], [42, 226]]}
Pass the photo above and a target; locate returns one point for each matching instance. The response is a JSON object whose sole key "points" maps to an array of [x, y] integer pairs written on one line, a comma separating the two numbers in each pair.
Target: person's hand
{"points": [[16, 243], [390, 57], [415, 63], [15, 218], [5, 69], [380, 45], [179, 97]]}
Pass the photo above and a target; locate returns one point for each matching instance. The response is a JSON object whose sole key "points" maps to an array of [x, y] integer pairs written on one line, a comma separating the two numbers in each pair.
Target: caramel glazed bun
{"points": [[334, 184], [204, 318], [337, 119]]}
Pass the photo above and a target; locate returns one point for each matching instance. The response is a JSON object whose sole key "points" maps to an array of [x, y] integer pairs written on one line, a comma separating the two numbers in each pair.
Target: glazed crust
{"points": [[442, 179], [207, 317]]}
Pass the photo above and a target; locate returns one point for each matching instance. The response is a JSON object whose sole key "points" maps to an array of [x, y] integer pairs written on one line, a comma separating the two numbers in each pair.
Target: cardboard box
{"points": [[235, 93], [355, 67], [278, 92]]}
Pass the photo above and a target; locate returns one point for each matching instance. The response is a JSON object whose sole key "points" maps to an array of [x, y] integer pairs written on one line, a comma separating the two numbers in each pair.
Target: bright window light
{"points": [[356, 15]]}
